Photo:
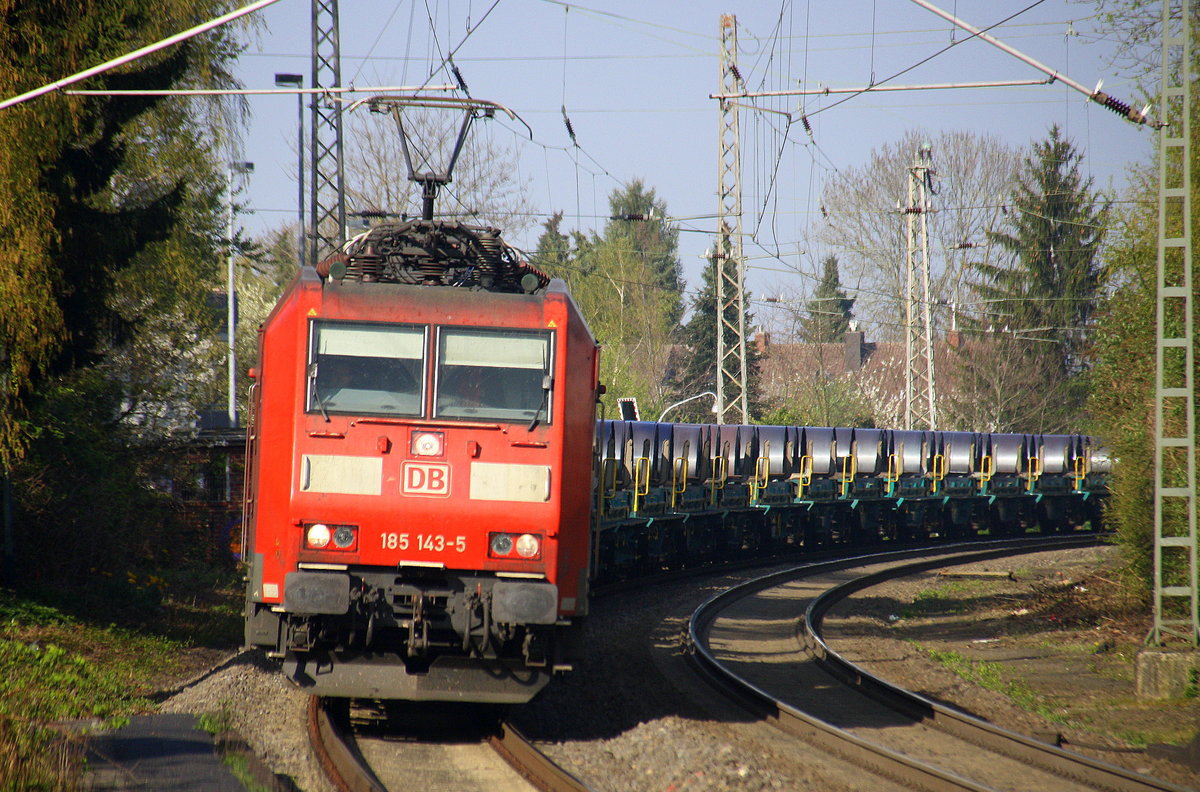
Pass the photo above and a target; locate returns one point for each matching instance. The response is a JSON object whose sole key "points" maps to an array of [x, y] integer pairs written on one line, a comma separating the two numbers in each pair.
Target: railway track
{"points": [[761, 643], [361, 752], [452, 763], [504, 759]]}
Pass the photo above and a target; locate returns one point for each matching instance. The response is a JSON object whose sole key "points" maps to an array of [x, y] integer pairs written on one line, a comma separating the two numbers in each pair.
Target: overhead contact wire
{"points": [[925, 60]]}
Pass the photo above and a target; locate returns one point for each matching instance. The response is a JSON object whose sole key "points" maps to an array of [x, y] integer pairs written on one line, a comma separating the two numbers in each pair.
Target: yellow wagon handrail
{"points": [[679, 475], [804, 474], [641, 480], [938, 470], [720, 473]]}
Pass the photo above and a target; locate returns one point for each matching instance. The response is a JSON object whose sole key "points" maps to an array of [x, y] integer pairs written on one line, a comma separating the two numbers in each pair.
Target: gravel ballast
{"points": [[633, 715], [269, 713]]}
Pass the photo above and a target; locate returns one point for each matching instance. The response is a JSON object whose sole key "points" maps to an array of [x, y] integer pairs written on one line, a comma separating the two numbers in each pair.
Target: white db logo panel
{"points": [[425, 478]]}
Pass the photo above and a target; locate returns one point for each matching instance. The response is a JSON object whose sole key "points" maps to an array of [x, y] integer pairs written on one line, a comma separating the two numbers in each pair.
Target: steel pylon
{"points": [[1176, 605], [732, 403], [919, 394], [327, 219]]}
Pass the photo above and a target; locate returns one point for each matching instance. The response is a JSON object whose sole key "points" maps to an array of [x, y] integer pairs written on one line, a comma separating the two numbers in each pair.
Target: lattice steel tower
{"points": [[732, 399], [327, 224], [919, 393], [1176, 609]]}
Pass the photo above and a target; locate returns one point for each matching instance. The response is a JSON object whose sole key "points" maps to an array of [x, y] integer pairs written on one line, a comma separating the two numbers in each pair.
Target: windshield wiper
{"points": [[547, 382], [312, 375]]}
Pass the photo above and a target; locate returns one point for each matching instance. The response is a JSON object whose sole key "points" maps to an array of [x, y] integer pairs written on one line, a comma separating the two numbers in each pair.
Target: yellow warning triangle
{"points": [[312, 311], [552, 323]]}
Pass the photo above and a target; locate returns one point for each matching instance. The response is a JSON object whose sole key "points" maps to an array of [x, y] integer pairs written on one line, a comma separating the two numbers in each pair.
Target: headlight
{"points": [[428, 444], [323, 536], [318, 535], [528, 546], [501, 544], [525, 546]]}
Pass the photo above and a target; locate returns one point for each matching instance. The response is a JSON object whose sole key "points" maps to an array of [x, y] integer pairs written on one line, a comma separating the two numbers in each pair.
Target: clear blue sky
{"points": [[635, 78]]}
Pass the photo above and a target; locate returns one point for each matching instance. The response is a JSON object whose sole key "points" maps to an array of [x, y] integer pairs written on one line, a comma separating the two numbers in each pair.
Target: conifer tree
{"points": [[111, 235], [828, 312], [695, 364], [1021, 367], [629, 286], [1047, 285], [553, 248], [638, 225]]}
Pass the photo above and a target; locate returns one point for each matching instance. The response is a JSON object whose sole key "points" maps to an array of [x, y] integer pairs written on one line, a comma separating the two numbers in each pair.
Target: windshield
{"points": [[496, 374], [360, 368]]}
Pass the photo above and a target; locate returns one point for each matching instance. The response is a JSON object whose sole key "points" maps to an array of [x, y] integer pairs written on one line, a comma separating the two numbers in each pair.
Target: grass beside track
{"points": [[1044, 624], [96, 653], [992, 677]]}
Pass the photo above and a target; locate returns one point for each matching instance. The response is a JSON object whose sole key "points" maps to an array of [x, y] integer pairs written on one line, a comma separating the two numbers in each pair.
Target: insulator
{"points": [[364, 269], [431, 270], [807, 126], [1119, 107], [490, 261], [458, 78], [526, 269], [570, 128], [736, 74], [1116, 105], [371, 271]]}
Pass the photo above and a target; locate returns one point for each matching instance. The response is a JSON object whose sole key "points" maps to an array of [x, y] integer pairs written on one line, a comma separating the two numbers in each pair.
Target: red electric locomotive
{"points": [[419, 495]]}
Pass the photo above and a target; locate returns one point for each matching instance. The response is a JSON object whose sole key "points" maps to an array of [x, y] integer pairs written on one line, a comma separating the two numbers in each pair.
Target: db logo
{"points": [[425, 478]]}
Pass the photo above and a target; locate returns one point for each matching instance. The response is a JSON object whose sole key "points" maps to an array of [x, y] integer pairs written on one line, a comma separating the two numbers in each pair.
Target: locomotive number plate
{"points": [[434, 543], [425, 478]]}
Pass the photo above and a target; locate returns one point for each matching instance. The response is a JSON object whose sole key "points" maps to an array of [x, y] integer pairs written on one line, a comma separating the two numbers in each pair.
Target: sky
{"points": [[634, 77]]}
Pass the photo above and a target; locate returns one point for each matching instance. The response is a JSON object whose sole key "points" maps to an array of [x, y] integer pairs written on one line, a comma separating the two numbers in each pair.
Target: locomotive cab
{"points": [[421, 480]]}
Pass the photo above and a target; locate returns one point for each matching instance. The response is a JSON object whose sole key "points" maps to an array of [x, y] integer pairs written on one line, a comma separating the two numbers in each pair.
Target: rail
{"points": [[1018, 746], [343, 765], [870, 755], [532, 764], [348, 771]]}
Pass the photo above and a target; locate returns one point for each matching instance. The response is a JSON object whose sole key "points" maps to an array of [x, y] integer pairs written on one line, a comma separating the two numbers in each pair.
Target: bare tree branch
{"points": [[486, 186], [867, 233]]}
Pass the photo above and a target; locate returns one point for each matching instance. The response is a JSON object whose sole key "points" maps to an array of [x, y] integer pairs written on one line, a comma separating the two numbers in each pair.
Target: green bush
{"points": [[1122, 397], [85, 504]]}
